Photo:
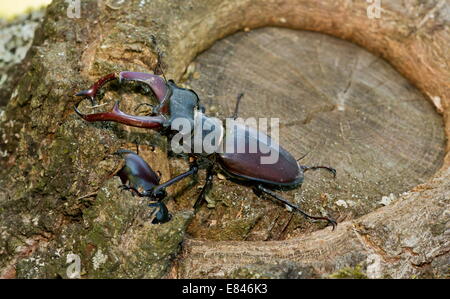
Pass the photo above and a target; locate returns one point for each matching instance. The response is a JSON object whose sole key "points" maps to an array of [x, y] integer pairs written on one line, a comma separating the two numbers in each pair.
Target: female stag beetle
{"points": [[241, 167], [137, 175]]}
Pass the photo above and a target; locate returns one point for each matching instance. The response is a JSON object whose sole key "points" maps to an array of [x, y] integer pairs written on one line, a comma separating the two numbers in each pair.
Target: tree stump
{"points": [[57, 196], [334, 100]]}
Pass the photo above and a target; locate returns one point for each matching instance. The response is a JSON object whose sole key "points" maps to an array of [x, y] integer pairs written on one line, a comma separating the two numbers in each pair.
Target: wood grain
{"points": [[334, 100]]}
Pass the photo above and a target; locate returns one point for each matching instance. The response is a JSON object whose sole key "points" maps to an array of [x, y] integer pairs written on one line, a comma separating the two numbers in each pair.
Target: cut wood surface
{"points": [[335, 101], [57, 196]]}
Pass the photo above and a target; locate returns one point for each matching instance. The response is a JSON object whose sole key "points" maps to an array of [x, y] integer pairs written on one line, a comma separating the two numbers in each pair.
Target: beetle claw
{"points": [[156, 83], [150, 122], [333, 171], [332, 222], [92, 92], [88, 93], [79, 112]]}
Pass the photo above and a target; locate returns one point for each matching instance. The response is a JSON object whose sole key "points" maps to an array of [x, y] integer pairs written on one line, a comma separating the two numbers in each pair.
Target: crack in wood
{"points": [[372, 246]]}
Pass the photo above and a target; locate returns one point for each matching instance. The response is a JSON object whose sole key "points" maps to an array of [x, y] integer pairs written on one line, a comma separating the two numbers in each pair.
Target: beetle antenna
{"points": [[238, 101], [303, 156], [307, 153], [159, 65]]}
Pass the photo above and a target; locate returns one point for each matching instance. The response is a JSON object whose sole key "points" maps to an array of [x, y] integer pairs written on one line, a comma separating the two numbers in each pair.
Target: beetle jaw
{"points": [[157, 84]]}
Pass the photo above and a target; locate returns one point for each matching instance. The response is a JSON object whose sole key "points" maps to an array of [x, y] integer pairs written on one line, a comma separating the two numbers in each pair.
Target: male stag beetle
{"points": [[241, 167]]}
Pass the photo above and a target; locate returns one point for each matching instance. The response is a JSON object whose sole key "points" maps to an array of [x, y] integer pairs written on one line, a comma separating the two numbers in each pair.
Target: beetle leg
{"points": [[295, 207], [116, 115], [306, 168], [159, 213], [160, 188], [145, 193], [124, 187], [206, 187], [134, 191]]}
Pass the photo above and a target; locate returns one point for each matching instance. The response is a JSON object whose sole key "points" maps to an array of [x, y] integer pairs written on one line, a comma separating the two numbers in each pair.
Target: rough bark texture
{"points": [[56, 192], [16, 37]]}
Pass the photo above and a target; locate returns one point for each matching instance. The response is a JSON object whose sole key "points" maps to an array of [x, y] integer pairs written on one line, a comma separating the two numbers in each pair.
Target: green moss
{"points": [[438, 229], [13, 245], [110, 240], [245, 273], [349, 272], [280, 270]]}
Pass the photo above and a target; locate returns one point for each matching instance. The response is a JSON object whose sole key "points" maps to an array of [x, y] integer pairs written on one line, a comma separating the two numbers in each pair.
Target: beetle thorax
{"points": [[207, 133]]}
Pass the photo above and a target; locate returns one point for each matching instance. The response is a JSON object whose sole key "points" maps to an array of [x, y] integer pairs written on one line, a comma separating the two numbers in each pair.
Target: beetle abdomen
{"points": [[281, 169], [137, 172]]}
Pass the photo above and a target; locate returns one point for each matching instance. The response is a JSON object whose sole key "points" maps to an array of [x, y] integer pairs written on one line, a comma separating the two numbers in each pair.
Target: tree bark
{"points": [[57, 196]]}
